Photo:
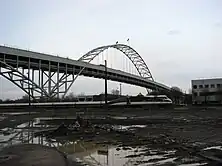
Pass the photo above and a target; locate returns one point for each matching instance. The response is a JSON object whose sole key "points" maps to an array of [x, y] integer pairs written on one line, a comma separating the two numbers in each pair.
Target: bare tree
{"points": [[189, 91], [176, 94], [25, 97], [115, 92], [175, 88], [70, 96]]}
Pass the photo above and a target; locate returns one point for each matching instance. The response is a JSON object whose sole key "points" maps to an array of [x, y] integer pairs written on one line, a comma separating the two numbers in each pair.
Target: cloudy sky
{"points": [[180, 40]]}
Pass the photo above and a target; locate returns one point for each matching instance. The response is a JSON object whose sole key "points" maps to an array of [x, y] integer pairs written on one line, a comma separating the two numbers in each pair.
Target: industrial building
{"points": [[207, 91]]}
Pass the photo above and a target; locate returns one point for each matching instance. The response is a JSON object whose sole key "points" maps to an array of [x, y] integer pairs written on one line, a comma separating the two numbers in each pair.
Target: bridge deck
{"points": [[20, 58]]}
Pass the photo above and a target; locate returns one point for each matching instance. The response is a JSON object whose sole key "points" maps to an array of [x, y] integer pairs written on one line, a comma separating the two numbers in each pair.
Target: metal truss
{"points": [[60, 84], [21, 80], [133, 56], [66, 81], [44, 84]]}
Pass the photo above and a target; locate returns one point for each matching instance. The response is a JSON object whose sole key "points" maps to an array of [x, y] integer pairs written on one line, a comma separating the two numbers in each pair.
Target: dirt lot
{"points": [[186, 131]]}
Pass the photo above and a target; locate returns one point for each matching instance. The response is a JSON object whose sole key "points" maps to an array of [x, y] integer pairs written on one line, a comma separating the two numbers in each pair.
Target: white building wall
{"points": [[206, 85]]}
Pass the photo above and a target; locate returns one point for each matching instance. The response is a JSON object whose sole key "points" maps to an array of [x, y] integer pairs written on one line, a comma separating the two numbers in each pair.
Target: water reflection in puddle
{"points": [[18, 134], [112, 156], [213, 147], [17, 113], [122, 127], [194, 164]]}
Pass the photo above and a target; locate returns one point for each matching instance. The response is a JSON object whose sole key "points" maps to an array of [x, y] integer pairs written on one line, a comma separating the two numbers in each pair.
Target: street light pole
{"points": [[105, 82]]}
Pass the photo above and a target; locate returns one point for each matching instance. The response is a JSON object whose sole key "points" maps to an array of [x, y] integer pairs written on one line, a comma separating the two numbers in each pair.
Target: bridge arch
{"points": [[132, 55]]}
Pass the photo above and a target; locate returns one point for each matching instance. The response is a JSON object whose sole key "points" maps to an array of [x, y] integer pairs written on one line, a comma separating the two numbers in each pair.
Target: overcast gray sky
{"points": [[180, 40]]}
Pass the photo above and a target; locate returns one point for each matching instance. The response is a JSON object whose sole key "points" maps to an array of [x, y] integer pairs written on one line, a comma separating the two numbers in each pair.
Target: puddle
{"points": [[213, 147], [119, 117], [55, 118], [104, 155], [17, 113], [2, 118], [121, 127], [4, 138], [161, 162], [112, 156], [7, 134], [194, 164]]}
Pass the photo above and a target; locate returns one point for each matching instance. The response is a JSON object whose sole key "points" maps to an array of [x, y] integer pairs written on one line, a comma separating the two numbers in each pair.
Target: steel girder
{"points": [[65, 81], [59, 85], [21, 80], [41, 84], [133, 56]]}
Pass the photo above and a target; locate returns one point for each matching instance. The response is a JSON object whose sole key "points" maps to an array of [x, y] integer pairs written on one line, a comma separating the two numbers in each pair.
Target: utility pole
{"points": [[105, 82], [29, 83], [29, 99], [120, 89], [29, 93]]}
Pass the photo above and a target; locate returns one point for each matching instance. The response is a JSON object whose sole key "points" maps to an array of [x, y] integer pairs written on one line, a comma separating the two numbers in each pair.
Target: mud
{"points": [[187, 133]]}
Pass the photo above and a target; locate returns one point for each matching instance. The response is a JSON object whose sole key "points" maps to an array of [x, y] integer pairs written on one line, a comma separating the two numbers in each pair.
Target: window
{"points": [[212, 86], [206, 86], [218, 85], [194, 87], [200, 86], [195, 94]]}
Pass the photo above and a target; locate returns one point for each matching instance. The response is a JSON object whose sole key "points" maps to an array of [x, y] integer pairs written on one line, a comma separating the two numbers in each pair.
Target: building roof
{"points": [[207, 79]]}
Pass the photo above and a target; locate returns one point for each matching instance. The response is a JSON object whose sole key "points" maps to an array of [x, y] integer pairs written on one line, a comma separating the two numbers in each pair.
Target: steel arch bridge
{"points": [[133, 56], [42, 75]]}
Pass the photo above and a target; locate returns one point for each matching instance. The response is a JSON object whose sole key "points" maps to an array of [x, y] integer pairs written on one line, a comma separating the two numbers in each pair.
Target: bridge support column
{"points": [[66, 80], [29, 84], [49, 78], [63, 81], [42, 80], [33, 80]]}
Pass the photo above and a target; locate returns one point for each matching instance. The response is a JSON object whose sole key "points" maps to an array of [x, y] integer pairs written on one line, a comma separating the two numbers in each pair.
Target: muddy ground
{"points": [[186, 131]]}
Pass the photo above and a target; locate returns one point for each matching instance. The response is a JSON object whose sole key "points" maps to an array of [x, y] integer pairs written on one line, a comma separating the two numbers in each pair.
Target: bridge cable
{"points": [[111, 57], [128, 63], [102, 59], [107, 60], [129, 67], [124, 65], [130, 53], [97, 58]]}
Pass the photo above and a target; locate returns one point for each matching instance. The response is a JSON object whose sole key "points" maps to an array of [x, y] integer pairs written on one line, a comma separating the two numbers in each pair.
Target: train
{"points": [[132, 100]]}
